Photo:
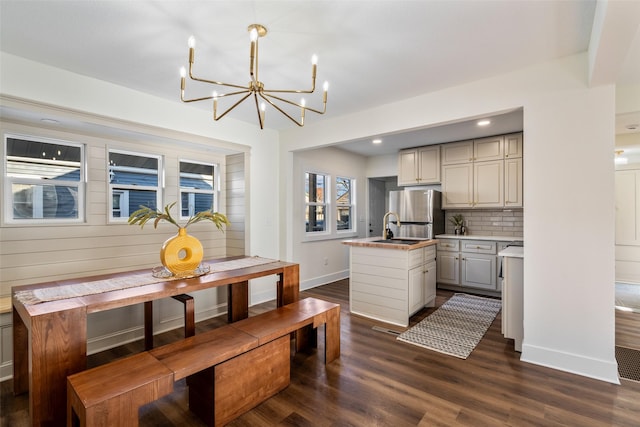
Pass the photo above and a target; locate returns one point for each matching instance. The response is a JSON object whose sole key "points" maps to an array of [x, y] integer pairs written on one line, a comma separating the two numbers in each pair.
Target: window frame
{"points": [[215, 190], [8, 199], [159, 188], [330, 206]]}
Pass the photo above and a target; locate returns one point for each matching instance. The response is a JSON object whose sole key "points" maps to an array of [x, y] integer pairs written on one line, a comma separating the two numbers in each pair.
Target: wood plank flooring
{"points": [[379, 381]]}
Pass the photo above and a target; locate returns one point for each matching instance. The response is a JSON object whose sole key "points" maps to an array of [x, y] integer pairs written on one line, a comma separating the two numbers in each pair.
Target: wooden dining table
{"points": [[50, 337]]}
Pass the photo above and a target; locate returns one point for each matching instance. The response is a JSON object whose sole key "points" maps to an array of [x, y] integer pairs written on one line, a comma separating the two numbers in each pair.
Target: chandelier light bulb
{"points": [[314, 59], [192, 42], [263, 107], [303, 102], [253, 34], [215, 95], [325, 86], [183, 72]]}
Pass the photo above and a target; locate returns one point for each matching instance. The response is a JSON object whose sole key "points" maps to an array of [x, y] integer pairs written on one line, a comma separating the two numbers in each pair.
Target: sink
{"points": [[397, 241]]}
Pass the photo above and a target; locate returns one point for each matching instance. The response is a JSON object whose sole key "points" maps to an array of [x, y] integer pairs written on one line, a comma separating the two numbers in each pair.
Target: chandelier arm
{"points": [[295, 104], [260, 115], [194, 99], [313, 88], [281, 110], [213, 82], [230, 108]]}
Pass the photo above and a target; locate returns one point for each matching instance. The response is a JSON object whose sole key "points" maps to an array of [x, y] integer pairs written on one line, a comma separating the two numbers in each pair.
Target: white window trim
{"points": [[110, 187], [7, 212]]}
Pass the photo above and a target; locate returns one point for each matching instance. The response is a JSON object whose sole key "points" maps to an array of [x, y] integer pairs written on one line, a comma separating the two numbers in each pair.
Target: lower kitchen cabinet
{"points": [[478, 271], [465, 263]]}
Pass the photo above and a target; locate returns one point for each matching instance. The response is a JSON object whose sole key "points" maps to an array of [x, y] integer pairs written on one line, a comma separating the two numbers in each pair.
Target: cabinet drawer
{"points": [[449, 245], [479, 247], [416, 258], [429, 253]]}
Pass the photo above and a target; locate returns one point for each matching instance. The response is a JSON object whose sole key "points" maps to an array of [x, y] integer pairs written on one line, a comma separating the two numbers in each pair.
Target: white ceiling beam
{"points": [[615, 25]]}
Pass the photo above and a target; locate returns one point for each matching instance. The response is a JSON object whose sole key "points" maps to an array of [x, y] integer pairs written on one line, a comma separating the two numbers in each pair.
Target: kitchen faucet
{"points": [[384, 222]]}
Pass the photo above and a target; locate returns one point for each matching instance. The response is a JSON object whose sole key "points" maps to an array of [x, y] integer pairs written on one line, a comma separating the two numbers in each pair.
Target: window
{"points": [[315, 202], [344, 203], [44, 179], [134, 181], [197, 188]]}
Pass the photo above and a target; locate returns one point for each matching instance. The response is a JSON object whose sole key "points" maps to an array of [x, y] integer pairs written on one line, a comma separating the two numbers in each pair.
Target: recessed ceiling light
{"points": [[484, 122], [50, 121], [377, 141], [632, 126]]}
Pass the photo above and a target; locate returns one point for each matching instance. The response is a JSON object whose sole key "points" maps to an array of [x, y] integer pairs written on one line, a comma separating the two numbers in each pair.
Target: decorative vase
{"points": [[181, 254]]}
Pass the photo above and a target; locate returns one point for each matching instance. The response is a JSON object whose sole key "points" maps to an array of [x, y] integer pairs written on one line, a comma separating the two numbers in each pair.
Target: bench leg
{"points": [[189, 319]]}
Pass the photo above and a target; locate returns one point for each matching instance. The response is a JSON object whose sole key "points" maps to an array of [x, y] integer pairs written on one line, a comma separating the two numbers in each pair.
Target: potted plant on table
{"points": [[180, 254]]}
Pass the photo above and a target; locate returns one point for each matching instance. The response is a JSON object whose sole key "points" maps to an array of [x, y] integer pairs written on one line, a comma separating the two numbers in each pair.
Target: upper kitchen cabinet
{"points": [[486, 149], [483, 173], [513, 146], [419, 166], [456, 153]]}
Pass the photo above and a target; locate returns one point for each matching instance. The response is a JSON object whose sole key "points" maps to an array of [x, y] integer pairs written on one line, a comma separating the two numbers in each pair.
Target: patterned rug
{"points": [[456, 327]]}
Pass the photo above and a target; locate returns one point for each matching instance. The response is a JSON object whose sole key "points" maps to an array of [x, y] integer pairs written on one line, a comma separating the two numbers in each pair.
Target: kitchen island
{"points": [[390, 280]]}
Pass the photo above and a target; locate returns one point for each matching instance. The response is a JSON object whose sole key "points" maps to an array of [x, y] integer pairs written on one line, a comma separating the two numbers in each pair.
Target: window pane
{"points": [[344, 218], [125, 202], [314, 188], [129, 169], [315, 218], [44, 201], [43, 160], [343, 191], [193, 203]]}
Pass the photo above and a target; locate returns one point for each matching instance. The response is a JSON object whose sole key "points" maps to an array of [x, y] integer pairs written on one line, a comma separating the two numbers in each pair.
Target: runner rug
{"points": [[456, 327], [55, 293]]}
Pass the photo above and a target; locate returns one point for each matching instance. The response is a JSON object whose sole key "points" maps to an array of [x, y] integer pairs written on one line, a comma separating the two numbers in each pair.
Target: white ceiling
{"points": [[371, 52]]}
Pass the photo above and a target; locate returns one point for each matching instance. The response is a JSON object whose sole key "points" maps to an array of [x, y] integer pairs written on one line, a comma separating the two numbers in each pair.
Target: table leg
{"points": [[58, 349], [288, 285], [237, 301], [20, 355], [332, 335]]}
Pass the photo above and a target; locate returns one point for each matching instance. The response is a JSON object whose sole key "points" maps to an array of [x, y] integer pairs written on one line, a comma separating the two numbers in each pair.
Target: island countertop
{"points": [[371, 243]]}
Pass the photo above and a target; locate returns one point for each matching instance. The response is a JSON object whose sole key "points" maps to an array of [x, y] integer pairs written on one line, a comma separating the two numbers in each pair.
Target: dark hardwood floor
{"points": [[379, 381]]}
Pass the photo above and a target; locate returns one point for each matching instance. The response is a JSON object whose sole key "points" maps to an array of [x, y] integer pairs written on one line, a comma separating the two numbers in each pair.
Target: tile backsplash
{"points": [[498, 222]]}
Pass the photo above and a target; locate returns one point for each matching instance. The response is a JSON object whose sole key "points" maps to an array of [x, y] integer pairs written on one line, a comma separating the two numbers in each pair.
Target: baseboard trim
{"points": [[599, 369]]}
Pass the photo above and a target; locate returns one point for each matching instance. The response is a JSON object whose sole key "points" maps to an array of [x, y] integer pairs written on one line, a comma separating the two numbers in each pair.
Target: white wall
{"points": [[569, 263], [324, 261]]}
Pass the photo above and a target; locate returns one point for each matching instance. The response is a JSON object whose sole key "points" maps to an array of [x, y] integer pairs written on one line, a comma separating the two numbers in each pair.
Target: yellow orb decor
{"points": [[181, 254]]}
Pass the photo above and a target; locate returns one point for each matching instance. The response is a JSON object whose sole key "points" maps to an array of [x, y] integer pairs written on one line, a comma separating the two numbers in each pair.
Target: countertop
{"points": [[370, 243], [512, 252], [481, 237]]}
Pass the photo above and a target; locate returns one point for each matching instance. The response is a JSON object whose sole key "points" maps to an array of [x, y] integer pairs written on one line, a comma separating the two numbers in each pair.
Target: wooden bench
{"points": [[229, 370], [110, 395]]}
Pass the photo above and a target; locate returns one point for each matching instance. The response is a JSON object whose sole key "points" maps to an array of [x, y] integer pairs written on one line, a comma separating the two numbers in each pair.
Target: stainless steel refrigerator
{"points": [[420, 211]]}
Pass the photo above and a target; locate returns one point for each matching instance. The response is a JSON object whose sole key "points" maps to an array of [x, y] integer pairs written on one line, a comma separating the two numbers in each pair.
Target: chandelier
{"points": [[255, 88]]}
